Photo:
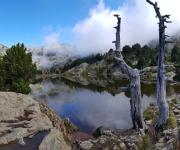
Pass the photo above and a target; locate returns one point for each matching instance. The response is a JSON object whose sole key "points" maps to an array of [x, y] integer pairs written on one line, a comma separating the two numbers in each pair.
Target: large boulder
{"points": [[22, 117], [54, 141]]}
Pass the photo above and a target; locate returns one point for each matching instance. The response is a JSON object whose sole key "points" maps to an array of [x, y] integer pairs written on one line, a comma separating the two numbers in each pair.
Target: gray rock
{"points": [[176, 111], [102, 131], [54, 141], [122, 146], [21, 116], [86, 145], [102, 140]]}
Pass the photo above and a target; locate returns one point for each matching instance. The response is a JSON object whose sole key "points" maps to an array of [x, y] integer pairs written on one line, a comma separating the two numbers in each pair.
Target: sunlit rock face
{"points": [[20, 117], [101, 73], [3, 49], [52, 57], [22, 120], [150, 73]]}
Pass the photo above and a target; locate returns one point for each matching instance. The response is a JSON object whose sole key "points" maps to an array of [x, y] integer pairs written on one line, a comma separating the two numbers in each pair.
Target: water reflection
{"points": [[90, 107]]}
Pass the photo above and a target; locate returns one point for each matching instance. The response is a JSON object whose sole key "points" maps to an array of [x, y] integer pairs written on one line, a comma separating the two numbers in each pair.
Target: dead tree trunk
{"points": [[118, 29], [161, 81], [135, 86]]}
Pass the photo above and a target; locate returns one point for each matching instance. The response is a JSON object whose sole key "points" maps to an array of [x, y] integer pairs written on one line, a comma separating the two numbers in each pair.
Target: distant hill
{"points": [[49, 58]]}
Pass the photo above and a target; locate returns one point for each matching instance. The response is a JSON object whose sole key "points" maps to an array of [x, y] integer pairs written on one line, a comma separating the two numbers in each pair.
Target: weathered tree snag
{"points": [[135, 86], [135, 90], [161, 81], [118, 29]]}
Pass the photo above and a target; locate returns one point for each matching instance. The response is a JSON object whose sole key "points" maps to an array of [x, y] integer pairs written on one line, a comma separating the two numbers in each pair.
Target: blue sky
{"points": [[27, 20]]}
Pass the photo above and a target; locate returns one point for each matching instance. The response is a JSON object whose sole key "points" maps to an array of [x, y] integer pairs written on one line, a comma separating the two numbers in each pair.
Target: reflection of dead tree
{"points": [[161, 83], [135, 87]]}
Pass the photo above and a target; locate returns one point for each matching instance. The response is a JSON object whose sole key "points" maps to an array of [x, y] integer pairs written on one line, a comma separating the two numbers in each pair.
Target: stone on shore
{"points": [[21, 117]]}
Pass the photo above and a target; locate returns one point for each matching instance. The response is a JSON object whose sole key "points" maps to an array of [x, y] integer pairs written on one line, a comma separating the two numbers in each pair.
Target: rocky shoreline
{"points": [[23, 118], [168, 139]]}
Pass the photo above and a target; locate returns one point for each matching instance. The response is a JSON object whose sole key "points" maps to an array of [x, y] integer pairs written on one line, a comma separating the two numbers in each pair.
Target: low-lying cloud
{"points": [[95, 33]]}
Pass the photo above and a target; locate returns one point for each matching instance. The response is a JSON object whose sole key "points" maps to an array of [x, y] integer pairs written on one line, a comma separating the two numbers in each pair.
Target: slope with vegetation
{"points": [[142, 57], [139, 57], [88, 59]]}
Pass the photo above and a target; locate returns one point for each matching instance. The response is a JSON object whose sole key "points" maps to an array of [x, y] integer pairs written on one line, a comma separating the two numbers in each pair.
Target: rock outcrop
{"points": [[54, 141], [106, 69], [101, 73], [120, 140], [131, 139], [88, 74], [150, 73], [22, 117], [3, 49]]}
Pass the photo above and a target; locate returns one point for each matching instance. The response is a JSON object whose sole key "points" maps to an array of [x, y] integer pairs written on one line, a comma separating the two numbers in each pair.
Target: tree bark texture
{"points": [[135, 86], [161, 80], [135, 90], [118, 30]]}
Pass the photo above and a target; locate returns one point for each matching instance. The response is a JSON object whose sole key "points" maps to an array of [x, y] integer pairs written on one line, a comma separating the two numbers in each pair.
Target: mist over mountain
{"points": [[95, 33], [50, 56], [57, 55], [174, 38]]}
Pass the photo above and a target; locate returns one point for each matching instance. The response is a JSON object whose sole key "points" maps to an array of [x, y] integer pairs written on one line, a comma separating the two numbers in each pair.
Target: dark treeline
{"points": [[136, 56], [139, 57], [88, 59]]}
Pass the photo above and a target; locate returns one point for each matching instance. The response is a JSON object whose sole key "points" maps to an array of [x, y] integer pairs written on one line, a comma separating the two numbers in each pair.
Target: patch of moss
{"points": [[70, 127], [84, 73], [146, 142], [174, 101], [151, 113], [64, 125], [171, 121]]}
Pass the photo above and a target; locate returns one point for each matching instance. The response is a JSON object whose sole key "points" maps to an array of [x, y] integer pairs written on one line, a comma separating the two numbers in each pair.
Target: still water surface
{"points": [[89, 107]]}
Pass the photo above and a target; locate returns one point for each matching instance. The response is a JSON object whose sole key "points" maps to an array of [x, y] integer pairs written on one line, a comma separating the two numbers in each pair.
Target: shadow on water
{"points": [[31, 144], [90, 106]]}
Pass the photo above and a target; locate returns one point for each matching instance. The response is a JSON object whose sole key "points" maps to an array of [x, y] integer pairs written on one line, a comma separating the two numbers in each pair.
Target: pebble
{"points": [[176, 111], [122, 146], [86, 145]]}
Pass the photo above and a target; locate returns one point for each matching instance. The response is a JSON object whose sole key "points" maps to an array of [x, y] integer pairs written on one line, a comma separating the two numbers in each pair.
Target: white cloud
{"points": [[95, 33]]}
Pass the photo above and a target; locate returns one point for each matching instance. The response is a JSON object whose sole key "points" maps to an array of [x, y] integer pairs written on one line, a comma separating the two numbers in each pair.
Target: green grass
{"points": [[146, 142], [171, 121], [151, 113]]}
